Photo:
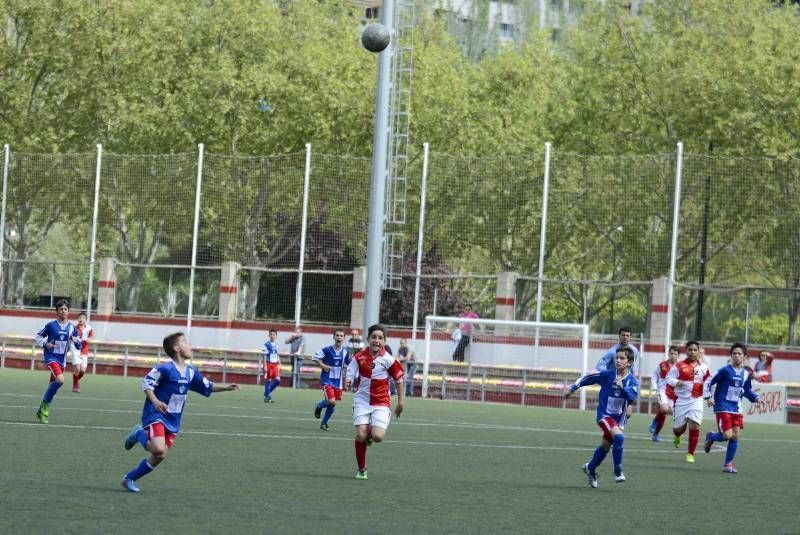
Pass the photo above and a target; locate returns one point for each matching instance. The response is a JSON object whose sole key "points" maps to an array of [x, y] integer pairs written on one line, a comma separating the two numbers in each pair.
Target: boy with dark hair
{"points": [[687, 378], [664, 393], [166, 388], [55, 339], [331, 360], [272, 366], [618, 389], [729, 384], [371, 404]]}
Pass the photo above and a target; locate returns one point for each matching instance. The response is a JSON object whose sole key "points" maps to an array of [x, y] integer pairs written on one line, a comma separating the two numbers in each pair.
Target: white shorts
{"points": [[689, 411], [77, 358], [663, 399], [374, 416]]}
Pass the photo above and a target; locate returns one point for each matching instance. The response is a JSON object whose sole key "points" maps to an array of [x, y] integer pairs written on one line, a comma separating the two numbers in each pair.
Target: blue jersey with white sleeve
{"points": [[606, 362], [270, 352], [336, 360], [60, 336], [731, 384], [613, 401], [171, 386]]}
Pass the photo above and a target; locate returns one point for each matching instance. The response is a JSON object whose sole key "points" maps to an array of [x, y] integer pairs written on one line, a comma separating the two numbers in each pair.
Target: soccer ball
{"points": [[375, 37]]}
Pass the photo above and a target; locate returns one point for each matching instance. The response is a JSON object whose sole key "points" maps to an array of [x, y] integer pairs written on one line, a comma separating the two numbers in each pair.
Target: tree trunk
{"points": [[253, 284]]}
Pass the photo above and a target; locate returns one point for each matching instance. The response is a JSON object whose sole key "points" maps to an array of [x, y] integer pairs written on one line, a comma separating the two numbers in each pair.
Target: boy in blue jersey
{"points": [[55, 338], [272, 366], [732, 382], [331, 359], [618, 389], [166, 388]]}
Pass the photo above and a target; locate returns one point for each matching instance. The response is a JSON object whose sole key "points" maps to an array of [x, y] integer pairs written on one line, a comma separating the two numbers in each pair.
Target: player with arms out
{"points": [[724, 392], [618, 390], [371, 404], [80, 357], [664, 392], [687, 378], [272, 366], [55, 338], [331, 360], [166, 388]]}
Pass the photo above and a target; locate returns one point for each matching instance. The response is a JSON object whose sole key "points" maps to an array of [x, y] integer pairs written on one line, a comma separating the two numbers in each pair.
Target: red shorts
{"points": [[728, 420], [157, 429], [55, 370], [607, 424], [273, 371], [331, 392]]}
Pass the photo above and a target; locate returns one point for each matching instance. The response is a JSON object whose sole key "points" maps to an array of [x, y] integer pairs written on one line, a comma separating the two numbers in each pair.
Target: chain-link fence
{"points": [[295, 225]]}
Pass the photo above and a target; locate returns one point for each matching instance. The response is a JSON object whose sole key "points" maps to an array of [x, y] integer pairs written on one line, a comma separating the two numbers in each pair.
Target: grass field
{"points": [[240, 465]]}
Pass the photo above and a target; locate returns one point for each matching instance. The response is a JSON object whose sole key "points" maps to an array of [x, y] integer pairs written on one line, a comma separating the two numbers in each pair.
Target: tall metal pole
{"points": [[93, 246], [298, 293], [377, 195], [423, 195], [542, 248], [198, 187], [673, 255], [6, 159]]}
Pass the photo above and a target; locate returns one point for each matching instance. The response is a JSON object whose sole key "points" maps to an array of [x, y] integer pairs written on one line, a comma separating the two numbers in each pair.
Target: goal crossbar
{"points": [[581, 329]]}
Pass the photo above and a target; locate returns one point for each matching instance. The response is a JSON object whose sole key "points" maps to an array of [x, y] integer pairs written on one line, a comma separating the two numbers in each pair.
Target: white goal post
{"points": [[505, 342]]}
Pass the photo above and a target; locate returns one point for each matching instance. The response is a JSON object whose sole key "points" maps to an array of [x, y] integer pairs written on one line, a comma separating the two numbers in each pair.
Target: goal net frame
{"points": [[581, 329]]}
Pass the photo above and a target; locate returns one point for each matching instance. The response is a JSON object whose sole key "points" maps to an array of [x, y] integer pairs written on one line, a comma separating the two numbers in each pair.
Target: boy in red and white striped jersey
{"points": [[687, 378], [371, 369]]}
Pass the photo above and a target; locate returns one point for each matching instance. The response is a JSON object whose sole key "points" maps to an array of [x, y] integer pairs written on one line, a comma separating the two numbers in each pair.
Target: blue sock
{"points": [[141, 436], [616, 453], [50, 393], [597, 458], [731, 451], [267, 389], [273, 385], [717, 437], [328, 413], [143, 469], [322, 404]]}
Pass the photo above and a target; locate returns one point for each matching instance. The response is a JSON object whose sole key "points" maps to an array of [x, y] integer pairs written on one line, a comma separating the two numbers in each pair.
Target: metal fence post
{"points": [[444, 381], [225, 368], [483, 386], [94, 362], [33, 356], [524, 382], [125, 363], [3, 356]]}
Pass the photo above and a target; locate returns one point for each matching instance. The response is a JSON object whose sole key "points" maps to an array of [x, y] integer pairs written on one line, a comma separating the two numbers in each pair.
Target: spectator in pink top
{"points": [[466, 330]]}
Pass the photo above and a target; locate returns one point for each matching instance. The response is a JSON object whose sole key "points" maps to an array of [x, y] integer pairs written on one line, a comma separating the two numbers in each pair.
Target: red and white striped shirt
{"points": [[659, 379], [693, 375], [374, 373]]}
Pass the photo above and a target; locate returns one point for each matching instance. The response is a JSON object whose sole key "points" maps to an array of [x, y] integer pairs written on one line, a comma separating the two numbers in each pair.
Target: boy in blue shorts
{"points": [[618, 389], [166, 387]]}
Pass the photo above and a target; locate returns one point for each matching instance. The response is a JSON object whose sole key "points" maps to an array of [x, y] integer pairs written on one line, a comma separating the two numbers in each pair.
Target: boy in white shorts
{"points": [[371, 368], [687, 378], [80, 357]]}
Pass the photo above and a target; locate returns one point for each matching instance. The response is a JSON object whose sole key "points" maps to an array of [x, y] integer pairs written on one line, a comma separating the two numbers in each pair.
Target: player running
{"points": [[687, 378], [665, 393], [166, 388], [55, 338], [618, 389], [373, 366], [729, 384], [272, 366], [331, 360], [80, 356]]}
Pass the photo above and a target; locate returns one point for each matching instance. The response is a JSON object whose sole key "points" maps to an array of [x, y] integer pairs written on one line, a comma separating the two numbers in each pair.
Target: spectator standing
{"points": [[406, 356], [466, 330], [296, 347], [762, 371], [356, 343]]}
